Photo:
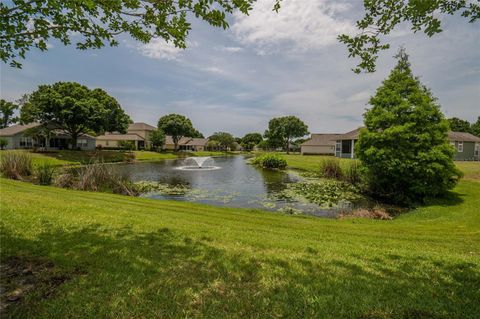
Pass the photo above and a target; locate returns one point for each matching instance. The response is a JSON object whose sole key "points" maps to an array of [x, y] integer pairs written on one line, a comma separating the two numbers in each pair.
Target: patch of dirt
{"points": [[20, 276]]}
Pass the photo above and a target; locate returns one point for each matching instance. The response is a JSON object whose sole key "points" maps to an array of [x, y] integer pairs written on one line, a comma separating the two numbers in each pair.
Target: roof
{"points": [[17, 128], [352, 135], [321, 139], [462, 136], [140, 126], [198, 142], [120, 137], [183, 140]]}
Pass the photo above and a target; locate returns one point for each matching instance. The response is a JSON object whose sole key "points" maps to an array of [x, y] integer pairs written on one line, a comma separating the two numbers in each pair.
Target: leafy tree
{"points": [[177, 126], [225, 141], [404, 149], [3, 143], [75, 109], [459, 125], [285, 129], [196, 134], [26, 23], [475, 128], [157, 138], [7, 109], [250, 140], [383, 16]]}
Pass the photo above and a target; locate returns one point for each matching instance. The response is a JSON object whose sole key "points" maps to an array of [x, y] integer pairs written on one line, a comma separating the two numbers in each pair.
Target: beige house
{"points": [[186, 144], [319, 144], [137, 133]]}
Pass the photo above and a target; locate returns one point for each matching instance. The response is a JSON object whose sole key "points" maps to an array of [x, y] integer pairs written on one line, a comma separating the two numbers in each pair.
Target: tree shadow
{"points": [[127, 273]]}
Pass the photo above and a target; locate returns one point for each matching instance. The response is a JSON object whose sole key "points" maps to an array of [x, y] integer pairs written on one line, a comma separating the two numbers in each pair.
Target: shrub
{"points": [[127, 145], [270, 161], [129, 157], [16, 165], [45, 173], [3, 143], [330, 168], [96, 177]]}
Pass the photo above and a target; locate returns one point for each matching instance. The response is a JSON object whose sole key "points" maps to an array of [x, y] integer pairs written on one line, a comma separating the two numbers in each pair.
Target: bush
{"points": [[127, 145], [45, 173], [270, 161], [97, 177], [16, 165], [330, 168], [3, 143]]}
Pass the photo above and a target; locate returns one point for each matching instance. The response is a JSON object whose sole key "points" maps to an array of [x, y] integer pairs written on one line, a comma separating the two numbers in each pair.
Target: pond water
{"points": [[234, 184]]}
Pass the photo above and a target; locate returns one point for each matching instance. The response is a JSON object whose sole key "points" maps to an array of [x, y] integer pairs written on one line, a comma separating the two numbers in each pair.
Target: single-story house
{"points": [[319, 144], [137, 133], [345, 143], [186, 144], [18, 138], [467, 146]]}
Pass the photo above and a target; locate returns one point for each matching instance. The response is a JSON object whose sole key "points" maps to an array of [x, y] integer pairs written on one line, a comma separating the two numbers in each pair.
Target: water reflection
{"points": [[236, 184]]}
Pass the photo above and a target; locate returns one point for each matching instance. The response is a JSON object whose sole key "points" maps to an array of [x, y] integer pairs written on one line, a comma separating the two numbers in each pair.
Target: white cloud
{"points": [[229, 49], [301, 25], [160, 49]]}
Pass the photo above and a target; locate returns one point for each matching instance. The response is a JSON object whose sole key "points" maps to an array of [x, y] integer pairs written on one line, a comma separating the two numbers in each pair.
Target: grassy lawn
{"points": [[123, 257]]}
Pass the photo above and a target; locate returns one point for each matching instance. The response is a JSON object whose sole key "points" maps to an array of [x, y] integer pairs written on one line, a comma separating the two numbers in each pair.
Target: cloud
{"points": [[229, 49], [298, 26], [160, 49]]}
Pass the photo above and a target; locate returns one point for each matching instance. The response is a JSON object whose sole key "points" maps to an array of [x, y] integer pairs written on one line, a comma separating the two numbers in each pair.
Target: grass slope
{"points": [[140, 258]]}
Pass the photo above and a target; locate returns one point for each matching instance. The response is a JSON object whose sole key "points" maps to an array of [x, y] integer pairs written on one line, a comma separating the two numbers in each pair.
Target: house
{"points": [[186, 144], [467, 146], [137, 133], [345, 143], [18, 138], [319, 144]]}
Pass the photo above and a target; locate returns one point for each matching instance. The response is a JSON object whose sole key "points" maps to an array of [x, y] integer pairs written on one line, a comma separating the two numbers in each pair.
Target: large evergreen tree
{"points": [[459, 125], [404, 147]]}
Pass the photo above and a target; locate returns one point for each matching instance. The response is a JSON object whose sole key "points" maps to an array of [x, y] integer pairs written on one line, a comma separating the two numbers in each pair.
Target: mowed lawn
{"points": [[129, 257]]}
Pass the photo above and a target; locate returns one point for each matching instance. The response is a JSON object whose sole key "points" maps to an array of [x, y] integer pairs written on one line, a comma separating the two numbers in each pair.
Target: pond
{"points": [[234, 183]]}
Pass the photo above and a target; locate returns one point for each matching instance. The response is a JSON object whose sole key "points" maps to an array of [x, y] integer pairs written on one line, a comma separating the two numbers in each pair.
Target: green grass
{"points": [[127, 257], [153, 156]]}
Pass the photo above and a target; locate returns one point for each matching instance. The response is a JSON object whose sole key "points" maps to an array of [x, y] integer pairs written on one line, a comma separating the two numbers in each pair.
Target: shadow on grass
{"points": [[449, 199], [162, 274]]}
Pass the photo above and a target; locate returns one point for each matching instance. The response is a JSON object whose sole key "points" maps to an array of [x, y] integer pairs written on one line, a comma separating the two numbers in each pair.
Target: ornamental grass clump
{"points": [[352, 172], [97, 177], [16, 165], [270, 161], [45, 173], [330, 168]]}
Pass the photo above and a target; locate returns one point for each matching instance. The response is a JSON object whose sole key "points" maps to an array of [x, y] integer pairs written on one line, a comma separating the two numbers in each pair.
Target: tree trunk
{"points": [[288, 146], [74, 141]]}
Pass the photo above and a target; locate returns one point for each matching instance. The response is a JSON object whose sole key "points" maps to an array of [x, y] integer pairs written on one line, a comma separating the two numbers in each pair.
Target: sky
{"points": [[265, 65]]}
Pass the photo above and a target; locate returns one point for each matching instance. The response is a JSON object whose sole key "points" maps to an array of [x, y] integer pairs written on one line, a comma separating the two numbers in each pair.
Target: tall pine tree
{"points": [[404, 147]]}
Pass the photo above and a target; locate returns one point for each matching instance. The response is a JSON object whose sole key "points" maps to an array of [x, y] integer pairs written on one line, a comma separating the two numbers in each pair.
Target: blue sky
{"points": [[265, 65]]}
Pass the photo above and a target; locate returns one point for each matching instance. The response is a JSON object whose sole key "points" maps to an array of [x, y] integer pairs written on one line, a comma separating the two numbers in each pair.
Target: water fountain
{"points": [[199, 163]]}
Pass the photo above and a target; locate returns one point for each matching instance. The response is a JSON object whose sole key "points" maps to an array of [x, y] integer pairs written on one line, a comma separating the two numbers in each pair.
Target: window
{"points": [[460, 147], [82, 143], [26, 142]]}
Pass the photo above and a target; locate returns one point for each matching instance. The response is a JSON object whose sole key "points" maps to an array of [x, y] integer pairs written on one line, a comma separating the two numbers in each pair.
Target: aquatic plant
{"points": [[270, 161]]}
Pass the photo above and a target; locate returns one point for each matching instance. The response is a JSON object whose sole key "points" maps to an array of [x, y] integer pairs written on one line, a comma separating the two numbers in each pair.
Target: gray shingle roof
{"points": [[17, 128], [140, 126], [462, 136], [321, 139]]}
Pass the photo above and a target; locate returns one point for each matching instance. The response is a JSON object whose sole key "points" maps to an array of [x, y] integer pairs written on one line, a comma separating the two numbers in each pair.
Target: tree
{"points": [[3, 143], [157, 138], [250, 140], [177, 126], [383, 16], [285, 129], [93, 24], [196, 134], [404, 148], [475, 128], [75, 109], [127, 145], [225, 141], [459, 125], [7, 109]]}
